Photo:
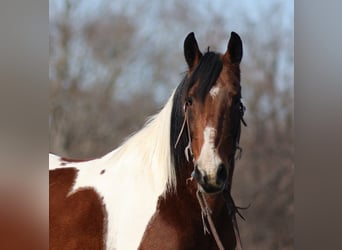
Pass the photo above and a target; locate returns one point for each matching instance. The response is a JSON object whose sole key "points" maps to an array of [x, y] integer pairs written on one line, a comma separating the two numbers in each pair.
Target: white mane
{"points": [[148, 150]]}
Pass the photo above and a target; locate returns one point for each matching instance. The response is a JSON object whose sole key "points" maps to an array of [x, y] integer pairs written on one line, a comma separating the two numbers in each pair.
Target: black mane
{"points": [[206, 74]]}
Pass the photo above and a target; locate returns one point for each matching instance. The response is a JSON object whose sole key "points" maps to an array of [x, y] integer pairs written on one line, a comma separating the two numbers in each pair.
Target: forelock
{"points": [[206, 74]]}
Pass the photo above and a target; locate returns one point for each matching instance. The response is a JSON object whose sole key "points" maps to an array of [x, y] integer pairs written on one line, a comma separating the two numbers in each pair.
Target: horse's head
{"points": [[212, 107]]}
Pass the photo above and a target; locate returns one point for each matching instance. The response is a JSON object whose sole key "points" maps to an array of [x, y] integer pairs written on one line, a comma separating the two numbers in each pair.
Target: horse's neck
{"points": [[179, 218]]}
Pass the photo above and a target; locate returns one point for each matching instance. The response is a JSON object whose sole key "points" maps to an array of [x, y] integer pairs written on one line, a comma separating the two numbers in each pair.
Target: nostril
{"points": [[199, 177], [205, 179], [221, 173], [196, 174]]}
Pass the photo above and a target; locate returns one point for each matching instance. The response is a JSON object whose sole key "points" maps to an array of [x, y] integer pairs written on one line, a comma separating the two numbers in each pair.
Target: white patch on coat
{"points": [[54, 161], [214, 91], [136, 175], [208, 160]]}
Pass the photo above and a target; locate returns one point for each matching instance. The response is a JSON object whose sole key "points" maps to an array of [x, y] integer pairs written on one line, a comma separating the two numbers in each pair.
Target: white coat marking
{"points": [[208, 160], [214, 91]]}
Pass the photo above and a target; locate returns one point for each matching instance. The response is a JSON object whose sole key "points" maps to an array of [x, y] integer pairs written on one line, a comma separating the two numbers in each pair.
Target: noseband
{"points": [[205, 209]]}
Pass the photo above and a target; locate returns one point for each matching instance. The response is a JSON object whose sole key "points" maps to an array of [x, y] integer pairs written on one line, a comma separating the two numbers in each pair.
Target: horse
{"points": [[168, 185]]}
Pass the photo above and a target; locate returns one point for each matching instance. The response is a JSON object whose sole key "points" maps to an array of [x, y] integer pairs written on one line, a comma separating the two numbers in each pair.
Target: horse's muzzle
{"points": [[211, 183]]}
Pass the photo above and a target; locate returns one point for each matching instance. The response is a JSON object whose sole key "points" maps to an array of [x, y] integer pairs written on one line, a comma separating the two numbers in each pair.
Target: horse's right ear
{"points": [[192, 53]]}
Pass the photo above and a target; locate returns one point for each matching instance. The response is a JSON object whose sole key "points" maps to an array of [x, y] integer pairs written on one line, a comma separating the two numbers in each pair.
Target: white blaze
{"points": [[209, 160], [214, 91]]}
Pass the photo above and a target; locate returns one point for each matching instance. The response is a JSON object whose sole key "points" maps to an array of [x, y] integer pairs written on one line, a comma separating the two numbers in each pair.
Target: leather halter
{"points": [[188, 148], [205, 209]]}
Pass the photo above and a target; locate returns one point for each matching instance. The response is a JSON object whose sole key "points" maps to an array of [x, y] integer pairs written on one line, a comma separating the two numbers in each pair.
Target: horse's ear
{"points": [[192, 53], [234, 49]]}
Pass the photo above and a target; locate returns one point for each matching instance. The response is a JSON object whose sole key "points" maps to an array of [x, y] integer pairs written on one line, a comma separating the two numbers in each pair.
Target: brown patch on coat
{"points": [[76, 221]]}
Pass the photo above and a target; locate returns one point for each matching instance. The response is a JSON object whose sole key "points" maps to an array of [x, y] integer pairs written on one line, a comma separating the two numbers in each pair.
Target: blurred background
{"points": [[114, 63]]}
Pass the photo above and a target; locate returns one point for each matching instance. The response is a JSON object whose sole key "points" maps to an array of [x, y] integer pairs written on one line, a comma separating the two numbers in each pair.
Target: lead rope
{"points": [[206, 212]]}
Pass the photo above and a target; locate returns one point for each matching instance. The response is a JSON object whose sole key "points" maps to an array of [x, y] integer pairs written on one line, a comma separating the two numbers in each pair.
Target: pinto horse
{"points": [[167, 186]]}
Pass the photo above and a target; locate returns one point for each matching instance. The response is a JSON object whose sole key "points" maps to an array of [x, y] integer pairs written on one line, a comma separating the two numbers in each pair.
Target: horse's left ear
{"points": [[234, 49]]}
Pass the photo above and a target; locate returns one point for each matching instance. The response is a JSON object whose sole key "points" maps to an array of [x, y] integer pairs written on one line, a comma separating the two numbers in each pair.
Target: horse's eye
{"points": [[188, 100]]}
